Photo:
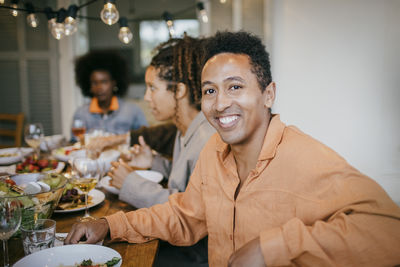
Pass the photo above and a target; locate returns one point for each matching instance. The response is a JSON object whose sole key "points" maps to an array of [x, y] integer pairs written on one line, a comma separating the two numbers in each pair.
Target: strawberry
{"points": [[43, 163]]}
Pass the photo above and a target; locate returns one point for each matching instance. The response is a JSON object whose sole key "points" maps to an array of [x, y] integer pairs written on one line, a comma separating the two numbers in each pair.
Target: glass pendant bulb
{"points": [[109, 14], [222, 1], [51, 17], [51, 23], [170, 23], [14, 12], [125, 35], [203, 12], [70, 26], [70, 23], [1, 2], [58, 29], [32, 20]]}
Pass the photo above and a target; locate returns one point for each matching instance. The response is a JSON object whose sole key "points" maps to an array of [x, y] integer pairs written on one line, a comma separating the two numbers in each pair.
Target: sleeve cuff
{"points": [[274, 249]]}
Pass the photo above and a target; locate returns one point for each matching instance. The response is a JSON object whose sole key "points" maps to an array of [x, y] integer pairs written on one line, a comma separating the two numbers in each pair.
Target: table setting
{"points": [[48, 187]]}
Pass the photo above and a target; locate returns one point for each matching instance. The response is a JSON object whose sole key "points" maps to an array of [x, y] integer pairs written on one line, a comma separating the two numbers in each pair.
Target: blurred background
{"points": [[336, 65]]}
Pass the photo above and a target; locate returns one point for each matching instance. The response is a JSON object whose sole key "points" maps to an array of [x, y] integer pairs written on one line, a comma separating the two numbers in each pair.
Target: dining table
{"points": [[142, 255]]}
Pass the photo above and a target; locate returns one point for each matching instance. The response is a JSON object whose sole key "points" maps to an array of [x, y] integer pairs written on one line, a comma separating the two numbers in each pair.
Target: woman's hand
{"points": [[118, 172], [141, 156]]}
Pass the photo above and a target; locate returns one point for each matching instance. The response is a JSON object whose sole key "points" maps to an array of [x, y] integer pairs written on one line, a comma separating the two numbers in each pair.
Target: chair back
{"points": [[15, 133]]}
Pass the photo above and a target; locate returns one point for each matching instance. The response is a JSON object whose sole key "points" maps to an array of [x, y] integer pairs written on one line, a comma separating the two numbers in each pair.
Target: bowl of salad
{"points": [[37, 193]]}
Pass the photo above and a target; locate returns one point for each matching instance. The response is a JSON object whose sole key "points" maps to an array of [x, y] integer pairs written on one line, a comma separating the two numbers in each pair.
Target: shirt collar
{"points": [[95, 108], [271, 140]]}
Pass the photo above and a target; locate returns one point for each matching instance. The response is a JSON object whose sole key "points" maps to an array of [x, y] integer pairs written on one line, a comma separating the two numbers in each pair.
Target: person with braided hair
{"points": [[173, 88]]}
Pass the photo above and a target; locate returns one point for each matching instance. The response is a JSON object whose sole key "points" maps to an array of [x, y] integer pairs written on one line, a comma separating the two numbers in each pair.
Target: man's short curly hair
{"points": [[102, 60], [242, 43], [179, 60]]}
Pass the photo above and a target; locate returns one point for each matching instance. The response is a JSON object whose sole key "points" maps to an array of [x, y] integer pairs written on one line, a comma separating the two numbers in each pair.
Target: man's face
{"points": [[232, 100], [101, 85]]}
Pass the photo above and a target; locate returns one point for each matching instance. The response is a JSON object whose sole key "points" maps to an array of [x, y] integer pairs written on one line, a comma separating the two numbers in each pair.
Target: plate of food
{"points": [[153, 176], [63, 153], [30, 165], [72, 256], [77, 201], [14, 154]]}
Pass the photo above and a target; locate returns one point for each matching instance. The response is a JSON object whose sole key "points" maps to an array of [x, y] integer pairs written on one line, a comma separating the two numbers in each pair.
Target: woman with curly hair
{"points": [[173, 93], [103, 76]]}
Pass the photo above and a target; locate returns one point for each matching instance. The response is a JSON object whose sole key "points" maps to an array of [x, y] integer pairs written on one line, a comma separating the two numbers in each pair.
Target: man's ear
{"points": [[181, 91], [269, 94]]}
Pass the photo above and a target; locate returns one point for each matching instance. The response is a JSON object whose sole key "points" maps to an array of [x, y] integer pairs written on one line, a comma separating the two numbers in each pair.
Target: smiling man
{"points": [[266, 194]]}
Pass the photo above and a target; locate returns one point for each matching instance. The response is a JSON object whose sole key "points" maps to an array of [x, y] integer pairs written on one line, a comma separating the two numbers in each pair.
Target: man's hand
{"points": [[119, 171], [248, 255], [93, 231], [141, 156]]}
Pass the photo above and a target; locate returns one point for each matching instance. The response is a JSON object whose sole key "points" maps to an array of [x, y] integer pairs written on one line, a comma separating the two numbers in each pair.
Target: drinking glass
{"points": [[34, 135], [78, 129], [10, 220], [85, 175], [38, 235]]}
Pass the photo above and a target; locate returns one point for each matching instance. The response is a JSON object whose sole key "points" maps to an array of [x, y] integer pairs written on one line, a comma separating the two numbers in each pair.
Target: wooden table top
{"points": [[132, 254]]}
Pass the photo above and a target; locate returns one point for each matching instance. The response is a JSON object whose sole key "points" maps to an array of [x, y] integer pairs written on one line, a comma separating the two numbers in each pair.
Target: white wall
{"points": [[337, 68]]}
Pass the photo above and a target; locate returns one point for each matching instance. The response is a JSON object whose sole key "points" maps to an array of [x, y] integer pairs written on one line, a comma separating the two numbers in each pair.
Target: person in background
{"points": [[102, 75], [172, 91], [265, 193]]}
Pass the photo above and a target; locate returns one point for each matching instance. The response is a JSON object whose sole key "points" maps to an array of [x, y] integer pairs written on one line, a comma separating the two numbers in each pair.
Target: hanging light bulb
{"points": [[125, 35], [32, 19], [170, 23], [70, 24], [51, 17], [222, 1], [14, 5], [202, 11], [58, 30], [109, 14], [1, 2]]}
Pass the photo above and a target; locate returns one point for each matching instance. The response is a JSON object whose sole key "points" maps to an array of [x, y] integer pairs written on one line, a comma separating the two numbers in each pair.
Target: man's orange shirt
{"points": [[95, 108], [307, 204]]}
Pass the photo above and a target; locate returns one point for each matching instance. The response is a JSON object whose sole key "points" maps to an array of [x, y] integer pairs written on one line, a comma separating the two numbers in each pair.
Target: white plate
{"points": [[105, 183], [69, 255], [97, 198], [153, 176], [14, 150], [59, 153]]}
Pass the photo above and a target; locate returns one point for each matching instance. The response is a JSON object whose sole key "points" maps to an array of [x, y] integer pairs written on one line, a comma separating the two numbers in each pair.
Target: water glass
{"points": [[38, 235]]}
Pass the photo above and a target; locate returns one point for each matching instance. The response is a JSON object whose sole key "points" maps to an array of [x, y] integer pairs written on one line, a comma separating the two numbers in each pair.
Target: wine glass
{"points": [[10, 220], [34, 135], [85, 175], [78, 129]]}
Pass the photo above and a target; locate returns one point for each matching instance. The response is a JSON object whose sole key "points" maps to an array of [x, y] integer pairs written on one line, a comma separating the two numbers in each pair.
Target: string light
{"points": [[51, 17], [32, 19], [125, 35], [170, 23], [70, 25], [58, 29], [109, 14], [222, 1], [14, 5], [63, 22], [202, 11]]}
